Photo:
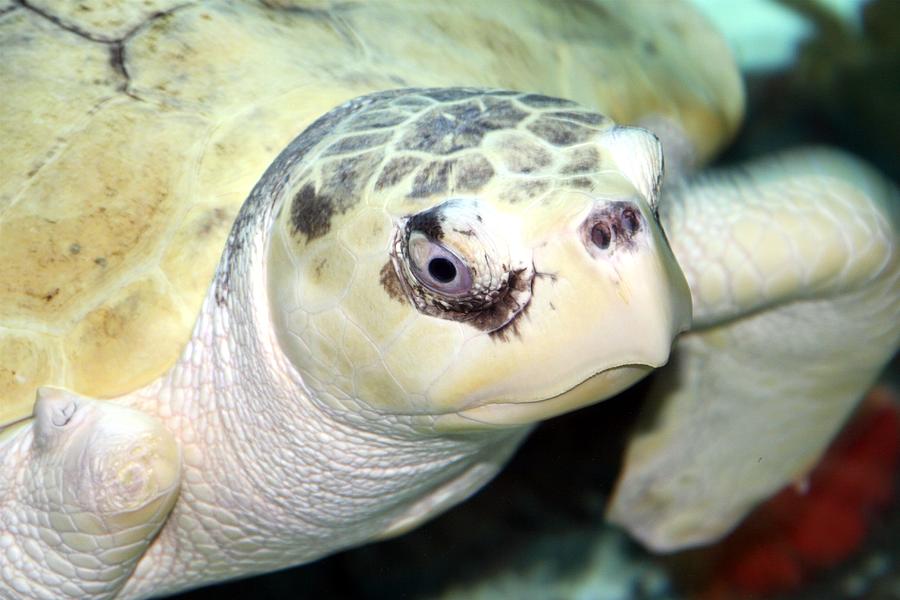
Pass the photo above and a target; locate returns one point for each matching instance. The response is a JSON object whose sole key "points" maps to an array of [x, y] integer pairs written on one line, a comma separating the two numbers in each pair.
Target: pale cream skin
{"points": [[283, 463], [97, 483]]}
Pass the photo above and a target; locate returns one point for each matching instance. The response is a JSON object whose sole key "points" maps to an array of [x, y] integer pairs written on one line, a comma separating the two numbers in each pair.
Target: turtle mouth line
{"points": [[590, 390]]}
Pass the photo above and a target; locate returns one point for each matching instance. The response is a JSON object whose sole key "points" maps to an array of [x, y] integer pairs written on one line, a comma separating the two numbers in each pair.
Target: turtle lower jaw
{"points": [[589, 391]]}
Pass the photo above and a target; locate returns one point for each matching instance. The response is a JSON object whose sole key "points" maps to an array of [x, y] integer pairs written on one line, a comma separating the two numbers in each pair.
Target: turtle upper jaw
{"points": [[509, 414], [598, 321]]}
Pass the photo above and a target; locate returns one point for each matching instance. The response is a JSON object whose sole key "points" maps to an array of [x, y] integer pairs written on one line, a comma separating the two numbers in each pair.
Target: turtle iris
{"points": [[438, 268]]}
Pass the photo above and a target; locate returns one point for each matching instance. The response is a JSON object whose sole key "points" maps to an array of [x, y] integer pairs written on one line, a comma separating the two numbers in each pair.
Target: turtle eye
{"points": [[437, 267]]}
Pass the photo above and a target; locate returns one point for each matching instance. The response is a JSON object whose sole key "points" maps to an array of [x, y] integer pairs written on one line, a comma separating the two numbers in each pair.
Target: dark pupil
{"points": [[442, 270]]}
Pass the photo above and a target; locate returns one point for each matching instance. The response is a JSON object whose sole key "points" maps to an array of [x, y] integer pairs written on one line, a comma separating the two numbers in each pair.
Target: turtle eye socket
{"points": [[437, 267]]}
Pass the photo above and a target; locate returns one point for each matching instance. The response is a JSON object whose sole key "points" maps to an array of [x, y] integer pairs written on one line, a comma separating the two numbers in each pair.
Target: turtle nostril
{"points": [[612, 226], [630, 222], [601, 235]]}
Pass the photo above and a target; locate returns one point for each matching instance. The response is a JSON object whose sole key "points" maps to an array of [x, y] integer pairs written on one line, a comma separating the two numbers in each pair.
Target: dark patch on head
{"points": [[395, 170], [449, 128], [375, 119], [466, 174], [311, 212], [582, 160], [343, 182], [588, 118], [51, 294], [524, 190], [100, 261], [584, 183], [561, 133], [471, 172], [391, 283], [75, 248], [428, 223], [541, 101], [522, 155], [358, 143], [431, 179], [649, 47], [344, 178]]}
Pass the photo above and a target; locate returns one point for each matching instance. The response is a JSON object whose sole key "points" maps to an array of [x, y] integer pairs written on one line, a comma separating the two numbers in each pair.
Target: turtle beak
{"points": [[599, 320]]}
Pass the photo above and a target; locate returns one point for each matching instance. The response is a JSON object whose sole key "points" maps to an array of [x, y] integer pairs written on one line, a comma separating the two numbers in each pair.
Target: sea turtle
{"points": [[459, 242]]}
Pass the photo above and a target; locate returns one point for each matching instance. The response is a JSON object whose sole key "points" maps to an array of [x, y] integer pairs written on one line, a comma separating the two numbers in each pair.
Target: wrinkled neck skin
{"points": [[271, 476]]}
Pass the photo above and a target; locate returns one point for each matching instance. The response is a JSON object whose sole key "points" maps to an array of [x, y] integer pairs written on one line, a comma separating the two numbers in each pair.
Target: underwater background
{"points": [[817, 72]]}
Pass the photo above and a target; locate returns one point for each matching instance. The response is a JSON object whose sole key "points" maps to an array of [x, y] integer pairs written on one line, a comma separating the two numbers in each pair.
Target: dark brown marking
{"points": [[541, 101], [395, 170], [561, 133], [450, 128], [391, 283], [471, 173], [117, 59], [358, 143], [75, 248], [311, 212], [524, 156], [582, 160], [504, 316], [375, 119], [100, 261], [431, 179], [524, 190], [428, 223], [51, 294], [343, 182], [584, 183]]}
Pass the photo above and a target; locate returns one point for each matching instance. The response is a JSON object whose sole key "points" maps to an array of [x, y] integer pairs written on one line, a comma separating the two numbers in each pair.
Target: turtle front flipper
{"points": [[794, 270], [84, 488]]}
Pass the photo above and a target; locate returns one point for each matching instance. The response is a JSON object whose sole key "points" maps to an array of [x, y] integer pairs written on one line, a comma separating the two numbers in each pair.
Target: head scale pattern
{"points": [[441, 142]]}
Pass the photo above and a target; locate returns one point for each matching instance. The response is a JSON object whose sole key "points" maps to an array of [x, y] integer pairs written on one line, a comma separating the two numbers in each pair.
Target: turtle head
{"points": [[479, 258]]}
